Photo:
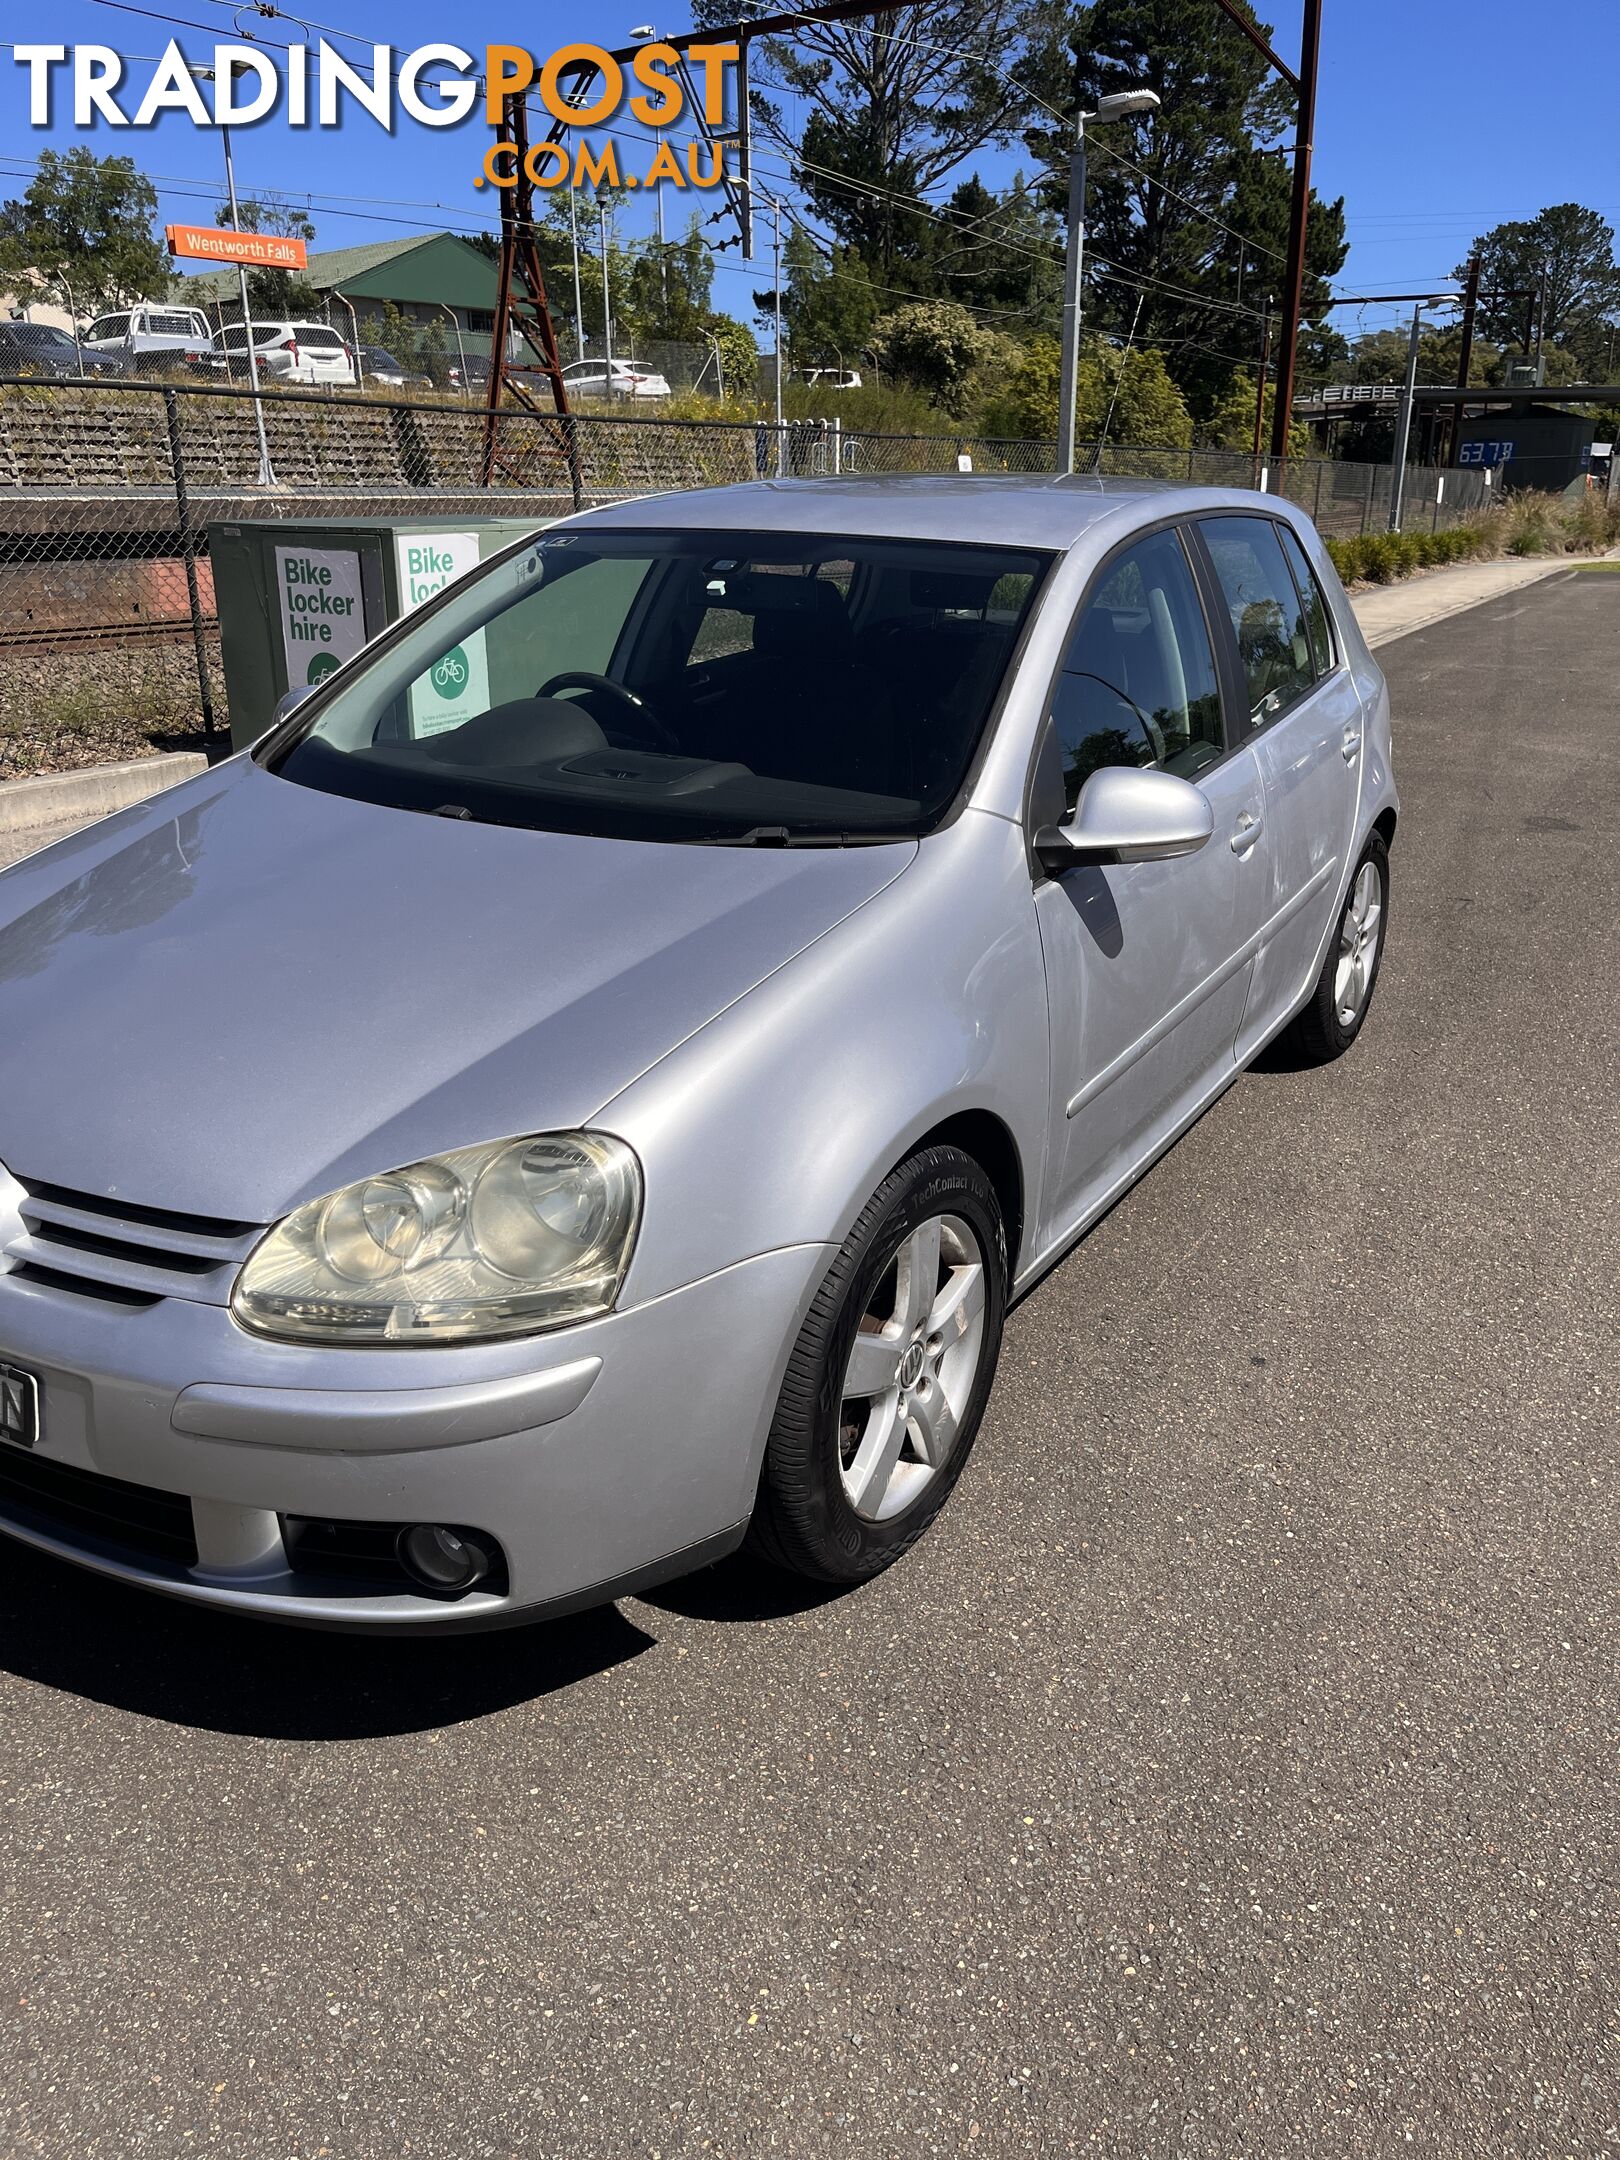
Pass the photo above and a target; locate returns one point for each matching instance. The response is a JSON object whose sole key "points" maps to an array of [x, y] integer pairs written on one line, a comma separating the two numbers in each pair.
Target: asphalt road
{"points": [[1232, 1771]]}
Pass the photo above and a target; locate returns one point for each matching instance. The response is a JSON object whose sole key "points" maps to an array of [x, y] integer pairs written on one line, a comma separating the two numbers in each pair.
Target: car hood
{"points": [[245, 993]]}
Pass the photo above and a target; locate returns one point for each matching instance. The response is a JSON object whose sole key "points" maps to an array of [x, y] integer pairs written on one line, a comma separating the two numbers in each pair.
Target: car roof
{"points": [[1043, 510]]}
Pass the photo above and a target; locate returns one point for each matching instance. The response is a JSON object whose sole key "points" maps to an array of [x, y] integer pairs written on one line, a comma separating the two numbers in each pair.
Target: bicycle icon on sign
{"points": [[448, 675]]}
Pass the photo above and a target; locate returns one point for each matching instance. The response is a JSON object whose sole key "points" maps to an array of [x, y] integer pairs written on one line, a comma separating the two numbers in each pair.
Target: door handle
{"points": [[1349, 744], [1247, 832]]}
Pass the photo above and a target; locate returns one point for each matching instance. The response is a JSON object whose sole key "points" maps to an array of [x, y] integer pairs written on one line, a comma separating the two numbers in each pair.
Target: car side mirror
{"points": [[1126, 816], [293, 697]]}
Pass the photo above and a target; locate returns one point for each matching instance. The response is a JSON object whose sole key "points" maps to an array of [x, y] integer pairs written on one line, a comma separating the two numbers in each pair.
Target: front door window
{"points": [[1138, 685]]}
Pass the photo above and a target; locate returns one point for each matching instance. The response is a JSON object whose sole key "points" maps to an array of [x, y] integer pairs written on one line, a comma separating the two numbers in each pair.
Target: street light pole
{"points": [[1260, 392], [1310, 51], [461, 350], [1108, 108], [267, 477], [648, 35], [579, 305], [781, 442], [1403, 424], [607, 304]]}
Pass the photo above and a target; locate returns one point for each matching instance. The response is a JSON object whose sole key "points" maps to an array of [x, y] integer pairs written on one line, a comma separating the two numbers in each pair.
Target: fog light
{"points": [[441, 1559]]}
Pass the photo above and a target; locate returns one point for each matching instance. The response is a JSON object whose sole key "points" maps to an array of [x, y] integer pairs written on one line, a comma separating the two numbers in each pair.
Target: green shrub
{"points": [[1380, 558]]}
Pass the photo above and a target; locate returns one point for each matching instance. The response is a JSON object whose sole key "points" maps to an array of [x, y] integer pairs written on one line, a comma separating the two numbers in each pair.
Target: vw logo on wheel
{"points": [[911, 1366]]}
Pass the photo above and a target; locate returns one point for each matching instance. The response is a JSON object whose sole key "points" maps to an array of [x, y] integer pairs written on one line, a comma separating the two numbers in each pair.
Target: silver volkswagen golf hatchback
{"points": [[583, 1090]]}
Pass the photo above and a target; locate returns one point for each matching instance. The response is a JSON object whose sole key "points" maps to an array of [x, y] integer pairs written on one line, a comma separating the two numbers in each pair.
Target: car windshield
{"points": [[758, 688], [39, 337]]}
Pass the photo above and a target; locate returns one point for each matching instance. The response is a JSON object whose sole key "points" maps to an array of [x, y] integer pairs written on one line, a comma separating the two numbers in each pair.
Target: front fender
{"points": [[775, 1123]]}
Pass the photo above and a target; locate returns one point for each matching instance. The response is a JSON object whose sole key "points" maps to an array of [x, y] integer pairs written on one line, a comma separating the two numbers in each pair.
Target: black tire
{"points": [[1321, 1032], [804, 1520]]}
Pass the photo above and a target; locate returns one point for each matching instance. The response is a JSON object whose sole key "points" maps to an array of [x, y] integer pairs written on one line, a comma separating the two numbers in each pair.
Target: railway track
{"points": [[26, 638]]}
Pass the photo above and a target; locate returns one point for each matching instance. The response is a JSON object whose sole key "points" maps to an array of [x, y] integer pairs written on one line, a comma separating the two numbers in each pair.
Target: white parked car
{"points": [[291, 352], [589, 379], [828, 378], [153, 334]]}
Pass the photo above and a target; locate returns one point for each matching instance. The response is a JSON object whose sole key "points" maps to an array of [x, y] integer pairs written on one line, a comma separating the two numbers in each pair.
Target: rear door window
{"points": [[319, 340], [1268, 616], [1316, 614]]}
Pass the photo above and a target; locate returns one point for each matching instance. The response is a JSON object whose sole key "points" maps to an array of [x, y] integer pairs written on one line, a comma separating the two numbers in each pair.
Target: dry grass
{"points": [[1525, 524]]}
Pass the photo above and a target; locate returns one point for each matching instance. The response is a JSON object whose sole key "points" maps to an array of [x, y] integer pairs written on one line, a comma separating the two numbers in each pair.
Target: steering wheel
{"points": [[1152, 733], [640, 711]]}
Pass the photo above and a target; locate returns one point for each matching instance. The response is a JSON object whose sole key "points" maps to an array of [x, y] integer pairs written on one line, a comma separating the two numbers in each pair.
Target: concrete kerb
{"points": [[1387, 612], [75, 798]]}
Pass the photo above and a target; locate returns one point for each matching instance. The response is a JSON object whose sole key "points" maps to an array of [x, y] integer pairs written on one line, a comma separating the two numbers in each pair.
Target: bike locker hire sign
{"points": [[323, 619], [456, 687]]}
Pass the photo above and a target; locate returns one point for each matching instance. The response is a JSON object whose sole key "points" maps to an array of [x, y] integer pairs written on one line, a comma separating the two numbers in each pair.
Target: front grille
{"points": [[124, 1254], [360, 1556], [135, 1521]]}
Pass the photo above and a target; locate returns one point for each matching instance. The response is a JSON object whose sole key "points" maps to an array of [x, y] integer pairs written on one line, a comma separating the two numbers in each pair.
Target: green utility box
{"points": [[295, 600]]}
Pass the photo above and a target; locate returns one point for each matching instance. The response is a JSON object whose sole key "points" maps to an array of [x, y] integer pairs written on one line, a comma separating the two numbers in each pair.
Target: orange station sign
{"points": [[215, 243]]}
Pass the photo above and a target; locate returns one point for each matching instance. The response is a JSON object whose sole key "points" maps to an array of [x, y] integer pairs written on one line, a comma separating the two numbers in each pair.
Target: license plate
{"points": [[19, 1406]]}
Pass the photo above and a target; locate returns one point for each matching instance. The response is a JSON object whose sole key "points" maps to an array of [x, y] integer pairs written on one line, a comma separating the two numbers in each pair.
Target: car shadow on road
{"points": [[64, 1628], [741, 1589], [1280, 1056]]}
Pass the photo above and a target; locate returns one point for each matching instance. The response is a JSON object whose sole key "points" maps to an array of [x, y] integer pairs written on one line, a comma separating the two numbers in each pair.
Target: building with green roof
{"points": [[435, 277]]}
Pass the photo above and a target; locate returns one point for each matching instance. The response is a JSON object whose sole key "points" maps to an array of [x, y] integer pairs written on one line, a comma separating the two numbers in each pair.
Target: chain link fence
{"points": [[107, 491]]}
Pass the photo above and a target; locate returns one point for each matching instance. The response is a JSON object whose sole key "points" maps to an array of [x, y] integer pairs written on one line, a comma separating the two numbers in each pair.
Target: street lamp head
{"points": [[1121, 102], [641, 35]]}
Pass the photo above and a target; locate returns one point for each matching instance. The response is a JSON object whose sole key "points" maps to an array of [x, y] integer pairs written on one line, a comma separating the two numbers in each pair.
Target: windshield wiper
{"points": [[782, 836]]}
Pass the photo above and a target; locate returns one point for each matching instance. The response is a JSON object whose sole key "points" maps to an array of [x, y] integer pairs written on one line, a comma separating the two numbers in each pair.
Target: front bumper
{"points": [[600, 1458]]}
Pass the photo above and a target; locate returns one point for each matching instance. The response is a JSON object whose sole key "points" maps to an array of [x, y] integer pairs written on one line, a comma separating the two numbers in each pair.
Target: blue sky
{"points": [[1437, 119]]}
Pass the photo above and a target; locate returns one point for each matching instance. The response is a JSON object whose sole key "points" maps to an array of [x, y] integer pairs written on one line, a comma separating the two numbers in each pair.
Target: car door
{"points": [[1305, 728], [1147, 963]]}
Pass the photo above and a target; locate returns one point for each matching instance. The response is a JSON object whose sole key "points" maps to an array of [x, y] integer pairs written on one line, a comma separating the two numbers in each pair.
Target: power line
{"points": [[1065, 120], [259, 44], [1165, 188], [311, 198], [1102, 266], [264, 7]]}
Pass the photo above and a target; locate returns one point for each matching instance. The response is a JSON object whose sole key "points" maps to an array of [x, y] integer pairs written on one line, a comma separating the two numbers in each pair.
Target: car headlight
{"points": [[504, 1239]]}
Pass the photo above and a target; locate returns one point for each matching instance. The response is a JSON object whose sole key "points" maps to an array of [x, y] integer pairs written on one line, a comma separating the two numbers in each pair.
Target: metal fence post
{"points": [[576, 474], [188, 550], [1316, 514], [1366, 508]]}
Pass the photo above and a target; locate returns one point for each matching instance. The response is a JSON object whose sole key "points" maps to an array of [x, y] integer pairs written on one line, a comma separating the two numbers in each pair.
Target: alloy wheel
{"points": [[911, 1368], [1359, 932]]}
